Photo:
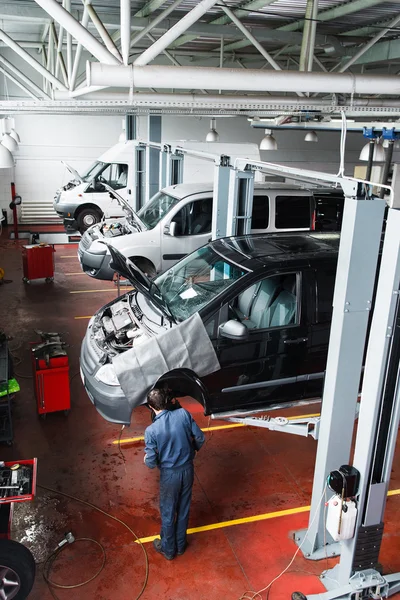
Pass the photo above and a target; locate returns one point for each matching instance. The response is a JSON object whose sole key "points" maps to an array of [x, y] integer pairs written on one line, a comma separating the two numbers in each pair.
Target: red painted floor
{"points": [[240, 473]]}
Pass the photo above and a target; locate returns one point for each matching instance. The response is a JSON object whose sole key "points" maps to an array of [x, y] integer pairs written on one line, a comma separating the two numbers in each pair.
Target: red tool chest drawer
{"points": [[38, 262]]}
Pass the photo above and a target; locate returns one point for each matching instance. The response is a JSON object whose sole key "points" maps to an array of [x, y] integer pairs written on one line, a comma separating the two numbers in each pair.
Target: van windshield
{"points": [[194, 281], [93, 171], [156, 208]]}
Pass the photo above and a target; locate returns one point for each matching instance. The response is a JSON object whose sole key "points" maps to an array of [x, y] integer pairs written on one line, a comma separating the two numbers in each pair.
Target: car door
{"points": [[192, 229], [115, 175], [262, 369], [323, 287]]}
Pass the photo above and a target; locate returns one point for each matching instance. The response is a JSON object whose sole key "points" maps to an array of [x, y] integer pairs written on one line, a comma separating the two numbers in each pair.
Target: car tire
{"points": [[20, 569], [88, 217]]}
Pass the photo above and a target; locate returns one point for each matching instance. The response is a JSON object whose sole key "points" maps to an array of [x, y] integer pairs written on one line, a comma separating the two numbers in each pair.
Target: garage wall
{"points": [[46, 140]]}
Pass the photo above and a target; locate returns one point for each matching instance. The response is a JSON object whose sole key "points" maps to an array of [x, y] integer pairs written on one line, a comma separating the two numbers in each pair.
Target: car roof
{"points": [[253, 251], [182, 190]]}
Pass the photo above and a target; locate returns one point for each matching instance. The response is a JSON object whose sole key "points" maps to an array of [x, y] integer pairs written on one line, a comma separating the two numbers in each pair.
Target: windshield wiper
{"points": [[161, 302]]}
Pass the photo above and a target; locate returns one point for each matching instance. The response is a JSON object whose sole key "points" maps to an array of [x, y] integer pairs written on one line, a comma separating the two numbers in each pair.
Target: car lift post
{"points": [[352, 302], [356, 576]]}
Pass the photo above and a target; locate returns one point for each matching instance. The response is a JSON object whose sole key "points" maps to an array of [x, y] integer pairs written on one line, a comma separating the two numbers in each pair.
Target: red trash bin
{"points": [[38, 262]]}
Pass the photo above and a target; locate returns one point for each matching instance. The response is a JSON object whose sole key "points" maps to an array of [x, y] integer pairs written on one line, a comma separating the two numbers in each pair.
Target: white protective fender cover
{"points": [[186, 345]]}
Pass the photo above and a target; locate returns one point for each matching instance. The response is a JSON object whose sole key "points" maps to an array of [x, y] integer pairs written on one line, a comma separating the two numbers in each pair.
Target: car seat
{"points": [[202, 223], [253, 303], [283, 309]]}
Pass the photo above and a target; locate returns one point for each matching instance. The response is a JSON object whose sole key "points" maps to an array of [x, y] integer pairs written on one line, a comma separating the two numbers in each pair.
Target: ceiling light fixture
{"points": [[212, 135], [268, 142], [9, 142], [379, 152], [311, 136], [15, 135], [6, 158]]}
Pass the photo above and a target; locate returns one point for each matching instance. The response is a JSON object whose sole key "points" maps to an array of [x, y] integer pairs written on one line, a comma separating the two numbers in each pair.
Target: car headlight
{"points": [[107, 375]]}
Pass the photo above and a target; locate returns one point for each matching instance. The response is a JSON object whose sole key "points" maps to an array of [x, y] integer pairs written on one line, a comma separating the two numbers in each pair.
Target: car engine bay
{"points": [[117, 329]]}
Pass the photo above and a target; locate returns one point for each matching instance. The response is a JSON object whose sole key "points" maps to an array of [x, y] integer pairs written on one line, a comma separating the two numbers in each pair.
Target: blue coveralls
{"points": [[171, 441]]}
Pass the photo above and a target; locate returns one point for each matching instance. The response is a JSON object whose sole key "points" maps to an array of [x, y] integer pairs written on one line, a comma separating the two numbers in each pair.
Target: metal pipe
{"points": [[367, 46], [80, 33], [19, 84], [102, 31], [78, 53], [163, 15], [211, 78], [371, 150], [309, 31], [172, 34], [31, 61], [125, 29], [167, 54], [388, 162]]}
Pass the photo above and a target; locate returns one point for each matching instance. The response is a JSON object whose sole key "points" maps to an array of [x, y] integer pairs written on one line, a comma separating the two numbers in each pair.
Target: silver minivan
{"points": [[177, 221]]}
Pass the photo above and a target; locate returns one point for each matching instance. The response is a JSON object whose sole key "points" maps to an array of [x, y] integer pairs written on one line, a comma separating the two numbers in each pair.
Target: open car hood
{"points": [[128, 210], [125, 267], [73, 171]]}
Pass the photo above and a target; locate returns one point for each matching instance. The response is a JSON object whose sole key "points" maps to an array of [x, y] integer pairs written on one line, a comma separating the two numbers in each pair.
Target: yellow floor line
{"points": [[94, 291], [216, 428], [85, 317], [253, 519]]}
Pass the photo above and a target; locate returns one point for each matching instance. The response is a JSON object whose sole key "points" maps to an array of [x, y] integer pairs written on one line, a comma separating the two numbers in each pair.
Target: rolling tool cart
{"points": [[38, 262], [51, 374], [6, 429]]}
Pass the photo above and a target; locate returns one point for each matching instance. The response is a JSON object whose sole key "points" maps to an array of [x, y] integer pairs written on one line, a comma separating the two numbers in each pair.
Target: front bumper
{"points": [[109, 400], [95, 265]]}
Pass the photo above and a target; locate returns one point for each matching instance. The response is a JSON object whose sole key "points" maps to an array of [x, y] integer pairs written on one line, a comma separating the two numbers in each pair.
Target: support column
{"points": [[240, 202], [356, 271], [130, 127], [220, 198], [153, 157]]}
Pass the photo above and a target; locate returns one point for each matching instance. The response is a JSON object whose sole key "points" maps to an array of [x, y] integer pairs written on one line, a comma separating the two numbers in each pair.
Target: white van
{"points": [[177, 221], [84, 200]]}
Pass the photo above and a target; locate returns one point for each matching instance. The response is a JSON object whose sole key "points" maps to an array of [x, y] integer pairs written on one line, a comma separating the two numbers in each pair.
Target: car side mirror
{"points": [[173, 228], [233, 330]]}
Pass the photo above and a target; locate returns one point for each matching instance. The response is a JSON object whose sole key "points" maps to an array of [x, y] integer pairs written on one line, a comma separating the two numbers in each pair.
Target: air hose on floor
{"points": [[50, 560]]}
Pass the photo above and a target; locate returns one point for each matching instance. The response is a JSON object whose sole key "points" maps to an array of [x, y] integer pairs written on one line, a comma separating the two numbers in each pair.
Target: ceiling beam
{"points": [[389, 50], [336, 12], [28, 82]]}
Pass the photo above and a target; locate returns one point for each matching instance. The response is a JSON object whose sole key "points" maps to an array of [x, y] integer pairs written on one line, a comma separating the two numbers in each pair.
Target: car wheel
{"points": [[88, 217], [17, 570]]}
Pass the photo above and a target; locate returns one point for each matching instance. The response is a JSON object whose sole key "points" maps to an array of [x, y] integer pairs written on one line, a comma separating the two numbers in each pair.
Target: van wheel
{"points": [[88, 217], [17, 567]]}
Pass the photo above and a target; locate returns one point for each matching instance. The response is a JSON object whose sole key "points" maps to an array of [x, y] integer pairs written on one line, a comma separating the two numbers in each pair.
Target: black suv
{"points": [[266, 305]]}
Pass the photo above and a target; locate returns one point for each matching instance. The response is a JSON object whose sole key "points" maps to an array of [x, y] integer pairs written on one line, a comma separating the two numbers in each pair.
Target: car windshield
{"points": [[93, 171], [196, 280], [156, 208]]}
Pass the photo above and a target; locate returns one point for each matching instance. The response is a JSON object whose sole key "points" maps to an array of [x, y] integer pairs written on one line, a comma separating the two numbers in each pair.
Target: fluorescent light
{"points": [[268, 142]]}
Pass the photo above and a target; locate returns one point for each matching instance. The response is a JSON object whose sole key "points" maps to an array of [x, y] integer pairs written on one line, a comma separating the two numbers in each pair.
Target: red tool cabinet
{"points": [[38, 262], [51, 381]]}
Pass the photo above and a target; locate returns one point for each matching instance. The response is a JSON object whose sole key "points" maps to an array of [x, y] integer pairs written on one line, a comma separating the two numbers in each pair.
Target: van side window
{"points": [[260, 214], [271, 302], [293, 212], [194, 218], [325, 279]]}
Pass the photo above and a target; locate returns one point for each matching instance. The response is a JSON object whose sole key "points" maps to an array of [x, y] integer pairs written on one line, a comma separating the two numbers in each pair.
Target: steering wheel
{"points": [[101, 179]]}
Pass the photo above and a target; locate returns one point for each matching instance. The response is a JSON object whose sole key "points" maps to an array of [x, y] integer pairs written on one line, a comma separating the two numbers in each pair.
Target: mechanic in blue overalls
{"points": [[171, 443]]}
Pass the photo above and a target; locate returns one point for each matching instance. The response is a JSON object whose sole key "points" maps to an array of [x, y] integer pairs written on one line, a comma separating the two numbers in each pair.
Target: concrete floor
{"points": [[241, 473]]}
